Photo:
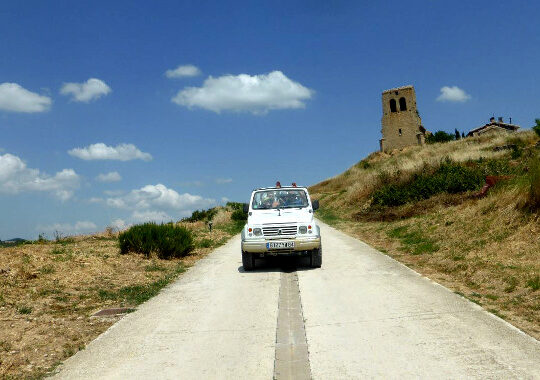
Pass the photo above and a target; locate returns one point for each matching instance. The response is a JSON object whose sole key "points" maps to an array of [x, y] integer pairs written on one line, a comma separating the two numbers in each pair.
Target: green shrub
{"points": [[166, 240], [234, 205], [534, 283], [439, 137], [205, 243], [198, 215], [239, 214], [534, 188], [536, 128], [450, 177], [24, 310]]}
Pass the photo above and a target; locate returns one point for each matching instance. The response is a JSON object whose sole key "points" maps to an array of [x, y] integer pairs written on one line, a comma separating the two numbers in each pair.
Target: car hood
{"points": [[283, 216]]}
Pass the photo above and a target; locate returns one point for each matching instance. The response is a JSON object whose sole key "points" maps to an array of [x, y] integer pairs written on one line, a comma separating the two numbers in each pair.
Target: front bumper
{"points": [[300, 244]]}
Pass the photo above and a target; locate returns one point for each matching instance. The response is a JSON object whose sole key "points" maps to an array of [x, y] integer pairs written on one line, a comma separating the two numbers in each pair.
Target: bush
{"points": [[533, 200], [235, 205], [166, 240], [239, 214], [197, 215], [450, 177], [205, 243], [439, 137], [536, 128]]}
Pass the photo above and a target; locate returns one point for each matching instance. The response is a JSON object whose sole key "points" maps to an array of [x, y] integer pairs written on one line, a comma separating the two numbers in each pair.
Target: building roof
{"points": [[399, 88], [500, 124]]}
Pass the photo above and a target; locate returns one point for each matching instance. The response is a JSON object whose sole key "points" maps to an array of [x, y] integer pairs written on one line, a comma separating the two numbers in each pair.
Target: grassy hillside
{"points": [[422, 206], [49, 290]]}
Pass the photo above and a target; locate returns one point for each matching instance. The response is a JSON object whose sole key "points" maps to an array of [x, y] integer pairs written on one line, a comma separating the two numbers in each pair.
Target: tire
{"points": [[315, 259], [248, 261]]}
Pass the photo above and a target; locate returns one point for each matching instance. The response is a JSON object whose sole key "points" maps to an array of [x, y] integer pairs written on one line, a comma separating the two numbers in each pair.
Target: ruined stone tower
{"points": [[401, 123]]}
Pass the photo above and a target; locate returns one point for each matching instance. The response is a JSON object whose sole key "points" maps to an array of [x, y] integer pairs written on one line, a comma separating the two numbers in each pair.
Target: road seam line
{"points": [[291, 353]]}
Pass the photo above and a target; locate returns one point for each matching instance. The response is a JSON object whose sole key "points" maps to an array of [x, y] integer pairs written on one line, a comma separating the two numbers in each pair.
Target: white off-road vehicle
{"points": [[280, 222]]}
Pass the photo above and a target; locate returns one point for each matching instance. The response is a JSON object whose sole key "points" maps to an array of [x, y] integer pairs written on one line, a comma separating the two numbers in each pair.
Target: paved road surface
{"points": [[362, 315]]}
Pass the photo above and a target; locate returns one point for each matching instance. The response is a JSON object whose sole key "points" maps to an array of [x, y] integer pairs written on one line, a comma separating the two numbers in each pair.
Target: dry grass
{"points": [[355, 185], [485, 249], [49, 291]]}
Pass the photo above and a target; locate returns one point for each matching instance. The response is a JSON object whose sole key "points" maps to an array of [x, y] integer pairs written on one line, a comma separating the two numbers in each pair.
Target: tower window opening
{"points": [[393, 106], [400, 131], [402, 104]]}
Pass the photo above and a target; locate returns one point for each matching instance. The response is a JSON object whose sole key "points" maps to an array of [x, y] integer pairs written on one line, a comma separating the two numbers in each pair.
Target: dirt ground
{"points": [[49, 292]]}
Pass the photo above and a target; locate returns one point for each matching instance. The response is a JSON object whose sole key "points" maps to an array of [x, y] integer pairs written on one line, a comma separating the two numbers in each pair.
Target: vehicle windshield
{"points": [[274, 199]]}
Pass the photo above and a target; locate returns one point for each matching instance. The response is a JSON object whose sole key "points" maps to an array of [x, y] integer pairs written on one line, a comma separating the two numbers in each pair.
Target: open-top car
{"points": [[280, 222]]}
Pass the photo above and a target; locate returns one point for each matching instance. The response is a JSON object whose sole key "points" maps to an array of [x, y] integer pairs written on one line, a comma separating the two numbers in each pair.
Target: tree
{"points": [[536, 128], [458, 135], [440, 136]]}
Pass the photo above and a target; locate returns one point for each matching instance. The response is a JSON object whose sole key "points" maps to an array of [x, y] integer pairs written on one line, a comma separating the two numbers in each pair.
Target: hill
{"points": [[428, 208]]}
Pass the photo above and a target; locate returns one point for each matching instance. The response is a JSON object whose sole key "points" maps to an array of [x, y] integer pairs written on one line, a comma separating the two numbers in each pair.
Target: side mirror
{"points": [[245, 208], [315, 204]]}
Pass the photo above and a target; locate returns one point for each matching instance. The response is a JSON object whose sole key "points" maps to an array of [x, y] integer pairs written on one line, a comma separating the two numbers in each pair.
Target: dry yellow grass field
{"points": [[49, 292], [486, 249]]}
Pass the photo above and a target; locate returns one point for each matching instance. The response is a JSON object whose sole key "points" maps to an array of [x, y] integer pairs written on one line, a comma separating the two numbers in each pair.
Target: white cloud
{"points": [[113, 193], [158, 197], [92, 89], [245, 93], [453, 94], [119, 224], [66, 228], [109, 177], [16, 177], [100, 151], [15, 98], [221, 181], [183, 71], [158, 203], [151, 216]]}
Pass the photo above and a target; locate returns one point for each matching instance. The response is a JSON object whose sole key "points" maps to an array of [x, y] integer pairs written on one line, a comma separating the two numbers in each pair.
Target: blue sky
{"points": [[284, 91]]}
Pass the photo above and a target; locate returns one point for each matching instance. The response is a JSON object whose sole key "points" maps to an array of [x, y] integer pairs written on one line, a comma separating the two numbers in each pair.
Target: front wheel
{"points": [[248, 261], [316, 258]]}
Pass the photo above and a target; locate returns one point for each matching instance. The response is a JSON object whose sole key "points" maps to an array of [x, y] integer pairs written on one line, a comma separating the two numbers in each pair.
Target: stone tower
{"points": [[401, 123]]}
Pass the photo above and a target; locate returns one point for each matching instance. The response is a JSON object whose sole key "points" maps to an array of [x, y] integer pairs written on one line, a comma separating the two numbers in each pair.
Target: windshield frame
{"points": [[280, 195]]}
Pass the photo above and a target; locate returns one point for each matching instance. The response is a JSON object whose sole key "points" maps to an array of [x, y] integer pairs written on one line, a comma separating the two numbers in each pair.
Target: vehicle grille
{"points": [[279, 230]]}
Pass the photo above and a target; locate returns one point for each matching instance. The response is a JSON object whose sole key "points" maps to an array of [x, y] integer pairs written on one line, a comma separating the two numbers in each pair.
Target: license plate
{"points": [[280, 245]]}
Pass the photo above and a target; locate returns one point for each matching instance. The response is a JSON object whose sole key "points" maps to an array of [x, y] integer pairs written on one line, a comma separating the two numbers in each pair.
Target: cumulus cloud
{"points": [[453, 94], [119, 224], [15, 98], [113, 193], [109, 177], [158, 197], [100, 151], [151, 216], [221, 181], [67, 228], [245, 93], [183, 71], [158, 203], [87, 91], [16, 177]]}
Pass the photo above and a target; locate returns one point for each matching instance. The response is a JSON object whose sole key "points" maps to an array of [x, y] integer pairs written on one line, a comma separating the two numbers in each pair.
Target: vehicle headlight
{"points": [[257, 232], [302, 229]]}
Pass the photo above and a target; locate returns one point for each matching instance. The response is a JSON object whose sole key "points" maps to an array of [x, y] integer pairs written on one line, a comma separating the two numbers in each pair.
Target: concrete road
{"points": [[362, 315]]}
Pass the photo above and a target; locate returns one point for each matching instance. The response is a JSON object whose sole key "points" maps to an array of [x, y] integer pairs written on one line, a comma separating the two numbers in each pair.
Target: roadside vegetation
{"points": [[430, 208], [50, 289]]}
